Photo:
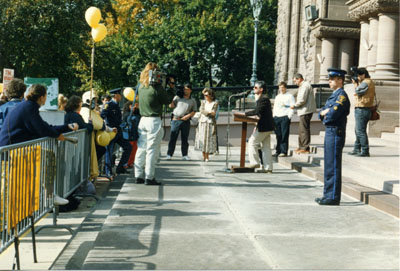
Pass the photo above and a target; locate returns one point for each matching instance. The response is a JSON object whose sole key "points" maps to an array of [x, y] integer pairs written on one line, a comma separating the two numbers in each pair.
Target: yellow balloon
{"points": [[93, 16], [129, 94], [112, 135], [99, 32], [102, 138]]}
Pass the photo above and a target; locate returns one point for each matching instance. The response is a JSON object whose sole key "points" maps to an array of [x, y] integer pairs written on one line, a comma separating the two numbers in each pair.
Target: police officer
{"points": [[334, 117], [111, 113]]}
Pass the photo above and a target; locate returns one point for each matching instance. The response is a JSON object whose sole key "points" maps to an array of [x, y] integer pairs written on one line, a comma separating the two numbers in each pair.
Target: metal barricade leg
{"points": [[16, 257], [33, 239], [55, 212]]}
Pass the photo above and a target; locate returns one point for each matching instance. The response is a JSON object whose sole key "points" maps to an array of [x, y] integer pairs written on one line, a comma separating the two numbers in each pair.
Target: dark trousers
{"points": [[282, 130], [333, 148], [184, 128], [362, 116], [127, 148], [305, 131]]}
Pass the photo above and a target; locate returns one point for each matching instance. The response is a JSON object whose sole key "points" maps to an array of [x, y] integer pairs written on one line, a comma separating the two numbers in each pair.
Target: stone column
{"points": [[387, 62], [346, 54], [372, 44], [295, 32], [364, 37], [329, 57]]}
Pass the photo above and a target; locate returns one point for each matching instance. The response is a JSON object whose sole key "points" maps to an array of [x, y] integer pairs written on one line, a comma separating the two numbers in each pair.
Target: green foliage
{"points": [[202, 39]]}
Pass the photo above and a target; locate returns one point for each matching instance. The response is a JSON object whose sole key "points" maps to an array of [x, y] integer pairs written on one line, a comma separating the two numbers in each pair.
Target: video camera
{"points": [[354, 77], [157, 77]]}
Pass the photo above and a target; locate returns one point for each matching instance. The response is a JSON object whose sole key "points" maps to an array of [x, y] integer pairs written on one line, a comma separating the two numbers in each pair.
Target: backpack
{"points": [[130, 127]]}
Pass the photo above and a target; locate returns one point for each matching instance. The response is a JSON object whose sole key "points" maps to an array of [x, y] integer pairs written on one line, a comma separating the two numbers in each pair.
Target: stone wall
{"points": [[297, 40]]}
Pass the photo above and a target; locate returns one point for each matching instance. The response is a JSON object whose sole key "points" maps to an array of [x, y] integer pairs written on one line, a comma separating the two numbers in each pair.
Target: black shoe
{"points": [[354, 152], [152, 182], [139, 180], [121, 170], [317, 200], [325, 201], [363, 154]]}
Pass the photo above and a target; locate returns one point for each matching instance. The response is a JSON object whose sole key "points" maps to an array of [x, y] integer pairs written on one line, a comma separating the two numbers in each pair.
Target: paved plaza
{"points": [[203, 218]]}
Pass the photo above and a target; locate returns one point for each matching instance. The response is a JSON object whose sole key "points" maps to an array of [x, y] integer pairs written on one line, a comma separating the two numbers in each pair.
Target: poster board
{"points": [[8, 75], [52, 90]]}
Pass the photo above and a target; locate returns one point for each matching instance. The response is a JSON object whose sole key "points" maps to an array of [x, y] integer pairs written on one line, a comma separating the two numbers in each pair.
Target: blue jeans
{"points": [[362, 116], [176, 127]]}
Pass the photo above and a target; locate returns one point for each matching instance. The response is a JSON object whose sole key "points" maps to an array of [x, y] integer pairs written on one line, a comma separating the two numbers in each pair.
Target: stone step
{"points": [[380, 171], [386, 202], [391, 137]]}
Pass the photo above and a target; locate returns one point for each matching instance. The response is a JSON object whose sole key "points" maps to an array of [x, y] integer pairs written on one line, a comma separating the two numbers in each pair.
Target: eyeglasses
{"points": [[172, 83], [205, 95]]}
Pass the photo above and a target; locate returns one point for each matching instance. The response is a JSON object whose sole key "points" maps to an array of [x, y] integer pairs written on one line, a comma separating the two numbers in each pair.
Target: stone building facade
{"points": [[344, 33]]}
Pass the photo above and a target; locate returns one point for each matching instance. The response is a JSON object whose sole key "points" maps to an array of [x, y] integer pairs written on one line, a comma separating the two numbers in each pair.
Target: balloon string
{"points": [[91, 79]]}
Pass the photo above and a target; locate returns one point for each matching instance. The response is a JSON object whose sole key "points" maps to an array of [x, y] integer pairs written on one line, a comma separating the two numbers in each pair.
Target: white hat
{"points": [[86, 96]]}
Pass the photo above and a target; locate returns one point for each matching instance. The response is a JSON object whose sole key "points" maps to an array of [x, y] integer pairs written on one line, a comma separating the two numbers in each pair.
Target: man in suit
{"points": [[262, 133]]}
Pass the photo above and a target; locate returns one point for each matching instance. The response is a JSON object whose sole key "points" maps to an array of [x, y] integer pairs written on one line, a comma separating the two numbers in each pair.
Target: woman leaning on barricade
{"points": [[25, 122], [206, 132]]}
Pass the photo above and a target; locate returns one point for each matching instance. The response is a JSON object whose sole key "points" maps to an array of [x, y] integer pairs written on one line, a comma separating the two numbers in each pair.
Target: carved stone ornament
{"points": [[326, 28], [363, 9]]}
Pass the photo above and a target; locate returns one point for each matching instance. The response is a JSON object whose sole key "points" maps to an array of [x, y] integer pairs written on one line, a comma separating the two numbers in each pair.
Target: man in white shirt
{"points": [[305, 105], [282, 114]]}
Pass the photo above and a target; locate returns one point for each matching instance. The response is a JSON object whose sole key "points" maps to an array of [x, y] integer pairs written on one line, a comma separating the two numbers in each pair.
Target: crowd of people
{"points": [[141, 148]]}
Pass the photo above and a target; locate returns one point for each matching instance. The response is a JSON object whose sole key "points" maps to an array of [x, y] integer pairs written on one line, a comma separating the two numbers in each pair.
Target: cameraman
{"points": [[152, 97], [364, 94], [184, 109]]}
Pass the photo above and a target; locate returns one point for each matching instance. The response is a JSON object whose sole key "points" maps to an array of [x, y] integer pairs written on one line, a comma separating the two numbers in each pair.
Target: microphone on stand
{"points": [[242, 93]]}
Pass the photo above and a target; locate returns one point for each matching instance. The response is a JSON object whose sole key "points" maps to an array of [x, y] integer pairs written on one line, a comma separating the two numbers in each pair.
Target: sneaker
{"points": [[186, 158], [282, 155], [60, 201], [169, 157]]}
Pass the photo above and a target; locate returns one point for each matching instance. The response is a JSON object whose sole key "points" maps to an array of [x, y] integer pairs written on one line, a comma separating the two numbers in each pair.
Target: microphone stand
{"points": [[227, 169]]}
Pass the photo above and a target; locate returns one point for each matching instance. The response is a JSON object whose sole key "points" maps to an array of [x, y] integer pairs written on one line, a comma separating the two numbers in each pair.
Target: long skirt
{"points": [[206, 137]]}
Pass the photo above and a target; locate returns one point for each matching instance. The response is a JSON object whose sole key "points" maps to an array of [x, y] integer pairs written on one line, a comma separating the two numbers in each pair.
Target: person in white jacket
{"points": [[282, 114], [305, 105]]}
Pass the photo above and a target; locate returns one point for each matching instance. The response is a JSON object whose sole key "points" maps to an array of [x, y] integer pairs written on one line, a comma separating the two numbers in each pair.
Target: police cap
{"points": [[116, 91], [332, 72]]}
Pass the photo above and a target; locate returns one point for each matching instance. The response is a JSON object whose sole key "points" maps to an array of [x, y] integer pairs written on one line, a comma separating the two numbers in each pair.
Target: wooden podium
{"points": [[244, 120]]}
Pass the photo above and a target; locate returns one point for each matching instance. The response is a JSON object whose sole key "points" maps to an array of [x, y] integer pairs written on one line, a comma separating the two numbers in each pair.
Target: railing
{"points": [[222, 93], [31, 172]]}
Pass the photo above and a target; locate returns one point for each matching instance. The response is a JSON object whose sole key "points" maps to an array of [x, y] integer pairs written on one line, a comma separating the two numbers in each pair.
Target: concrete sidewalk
{"points": [[203, 218]]}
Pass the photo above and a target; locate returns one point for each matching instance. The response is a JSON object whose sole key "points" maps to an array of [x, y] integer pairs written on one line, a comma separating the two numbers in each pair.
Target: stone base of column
{"points": [[386, 72]]}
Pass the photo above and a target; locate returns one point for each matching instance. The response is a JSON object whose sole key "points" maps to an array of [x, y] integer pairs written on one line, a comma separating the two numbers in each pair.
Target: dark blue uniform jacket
{"points": [[24, 123], [339, 107], [74, 117], [112, 114]]}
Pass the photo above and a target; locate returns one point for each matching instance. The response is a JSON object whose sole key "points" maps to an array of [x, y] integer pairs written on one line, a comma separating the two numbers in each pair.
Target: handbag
{"points": [[375, 114]]}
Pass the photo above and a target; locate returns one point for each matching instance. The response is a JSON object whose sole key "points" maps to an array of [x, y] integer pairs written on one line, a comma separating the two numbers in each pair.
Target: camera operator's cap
{"points": [[116, 91], [332, 72]]}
